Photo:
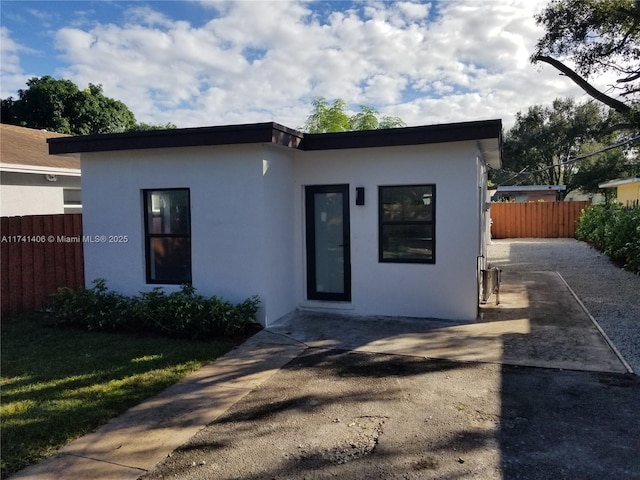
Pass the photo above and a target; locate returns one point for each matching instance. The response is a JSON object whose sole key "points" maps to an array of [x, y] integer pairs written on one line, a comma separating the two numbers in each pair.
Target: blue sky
{"points": [[198, 63]]}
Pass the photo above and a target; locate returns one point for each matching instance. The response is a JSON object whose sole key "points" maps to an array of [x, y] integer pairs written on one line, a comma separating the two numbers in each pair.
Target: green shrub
{"points": [[174, 313], [631, 249], [591, 225], [95, 308], [615, 230], [181, 314]]}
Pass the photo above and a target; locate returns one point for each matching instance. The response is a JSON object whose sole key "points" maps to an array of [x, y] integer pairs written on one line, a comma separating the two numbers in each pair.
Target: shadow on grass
{"points": [[58, 384]]}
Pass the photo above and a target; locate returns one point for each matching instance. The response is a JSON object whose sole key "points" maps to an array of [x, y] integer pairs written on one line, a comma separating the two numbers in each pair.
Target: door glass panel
{"points": [[329, 242]]}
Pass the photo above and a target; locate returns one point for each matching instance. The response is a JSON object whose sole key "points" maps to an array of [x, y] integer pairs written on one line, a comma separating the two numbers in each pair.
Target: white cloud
{"points": [[145, 15], [11, 72], [414, 11], [384, 89], [9, 50], [260, 61]]}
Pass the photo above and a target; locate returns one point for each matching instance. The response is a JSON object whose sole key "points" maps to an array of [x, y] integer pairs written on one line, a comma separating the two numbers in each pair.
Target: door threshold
{"points": [[325, 305]]}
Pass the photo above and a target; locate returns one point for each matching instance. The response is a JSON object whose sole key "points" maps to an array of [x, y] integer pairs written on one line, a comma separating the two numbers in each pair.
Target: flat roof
{"points": [[531, 188], [488, 134], [617, 182]]}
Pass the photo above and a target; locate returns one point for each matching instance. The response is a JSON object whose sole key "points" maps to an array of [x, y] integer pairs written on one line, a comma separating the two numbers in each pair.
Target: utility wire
{"points": [[572, 160]]}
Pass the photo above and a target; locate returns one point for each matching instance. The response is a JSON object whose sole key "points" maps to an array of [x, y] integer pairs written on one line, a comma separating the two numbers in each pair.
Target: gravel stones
{"points": [[610, 294]]}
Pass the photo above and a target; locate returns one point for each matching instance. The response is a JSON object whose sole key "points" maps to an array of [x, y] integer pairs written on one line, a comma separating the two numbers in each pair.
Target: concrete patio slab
{"points": [[538, 323]]}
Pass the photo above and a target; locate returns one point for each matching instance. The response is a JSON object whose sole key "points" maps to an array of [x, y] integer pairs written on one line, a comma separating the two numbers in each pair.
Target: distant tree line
{"points": [[559, 145], [60, 106], [571, 143]]}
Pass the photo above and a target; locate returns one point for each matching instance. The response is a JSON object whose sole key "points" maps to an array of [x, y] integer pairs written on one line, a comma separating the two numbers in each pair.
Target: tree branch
{"points": [[630, 78], [630, 91], [586, 86], [619, 127], [632, 13]]}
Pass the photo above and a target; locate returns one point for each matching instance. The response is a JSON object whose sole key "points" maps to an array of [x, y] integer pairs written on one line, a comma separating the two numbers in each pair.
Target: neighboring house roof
{"points": [[531, 188], [617, 182], [487, 134], [25, 150]]}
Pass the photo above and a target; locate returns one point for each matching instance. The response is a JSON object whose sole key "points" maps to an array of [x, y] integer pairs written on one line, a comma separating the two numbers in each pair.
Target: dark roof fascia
{"points": [[277, 134], [442, 133], [185, 137]]}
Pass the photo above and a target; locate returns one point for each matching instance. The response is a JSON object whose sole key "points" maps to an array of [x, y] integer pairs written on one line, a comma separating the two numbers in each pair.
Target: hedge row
{"points": [[182, 314], [614, 230]]}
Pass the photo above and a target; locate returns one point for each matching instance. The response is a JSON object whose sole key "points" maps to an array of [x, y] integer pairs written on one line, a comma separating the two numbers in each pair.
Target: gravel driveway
{"points": [[610, 294]]}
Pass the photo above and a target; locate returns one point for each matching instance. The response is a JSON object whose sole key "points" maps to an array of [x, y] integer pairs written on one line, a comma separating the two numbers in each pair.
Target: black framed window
{"points": [[407, 223], [167, 221]]}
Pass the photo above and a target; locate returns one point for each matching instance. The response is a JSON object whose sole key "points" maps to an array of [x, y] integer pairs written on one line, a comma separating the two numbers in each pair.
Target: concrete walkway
{"points": [[136, 441], [538, 323]]}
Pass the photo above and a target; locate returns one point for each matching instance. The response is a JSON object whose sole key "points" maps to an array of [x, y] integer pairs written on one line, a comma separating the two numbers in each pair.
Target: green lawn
{"points": [[60, 384]]}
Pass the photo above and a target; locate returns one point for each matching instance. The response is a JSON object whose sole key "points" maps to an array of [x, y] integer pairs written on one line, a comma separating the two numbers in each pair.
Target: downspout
{"points": [[481, 260]]}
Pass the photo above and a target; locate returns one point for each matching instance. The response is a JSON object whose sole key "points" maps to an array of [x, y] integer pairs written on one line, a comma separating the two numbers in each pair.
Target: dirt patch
{"points": [[341, 441]]}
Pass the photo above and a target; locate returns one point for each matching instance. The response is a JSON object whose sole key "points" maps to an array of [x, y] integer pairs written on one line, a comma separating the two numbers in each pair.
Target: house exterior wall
{"points": [[18, 200], [629, 194], [248, 218], [227, 202], [527, 197], [31, 194], [277, 272], [484, 215], [446, 289]]}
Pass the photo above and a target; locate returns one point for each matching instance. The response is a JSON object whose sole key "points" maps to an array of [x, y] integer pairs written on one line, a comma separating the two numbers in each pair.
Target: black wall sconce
{"points": [[359, 195]]}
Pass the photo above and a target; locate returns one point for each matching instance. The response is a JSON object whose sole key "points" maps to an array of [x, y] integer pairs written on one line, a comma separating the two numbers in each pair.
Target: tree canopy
{"points": [[544, 142], [607, 165], [332, 117], [597, 36], [60, 106]]}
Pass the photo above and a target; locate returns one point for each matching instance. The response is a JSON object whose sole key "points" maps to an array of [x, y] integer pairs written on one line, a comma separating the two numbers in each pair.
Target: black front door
{"points": [[328, 254]]}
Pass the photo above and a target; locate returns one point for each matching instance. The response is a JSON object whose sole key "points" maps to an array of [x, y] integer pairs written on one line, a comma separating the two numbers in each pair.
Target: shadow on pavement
{"points": [[373, 403], [336, 414], [569, 425]]}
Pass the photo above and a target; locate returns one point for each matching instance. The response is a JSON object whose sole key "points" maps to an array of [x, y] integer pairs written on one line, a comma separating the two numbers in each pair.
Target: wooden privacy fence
{"points": [[536, 220], [39, 254]]}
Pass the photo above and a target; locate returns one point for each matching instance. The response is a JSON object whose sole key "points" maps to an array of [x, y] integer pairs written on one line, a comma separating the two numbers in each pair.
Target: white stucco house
{"points": [[32, 182], [383, 222]]}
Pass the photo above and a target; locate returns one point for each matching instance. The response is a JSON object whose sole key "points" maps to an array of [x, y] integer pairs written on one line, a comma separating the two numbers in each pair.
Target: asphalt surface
{"points": [[335, 414]]}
